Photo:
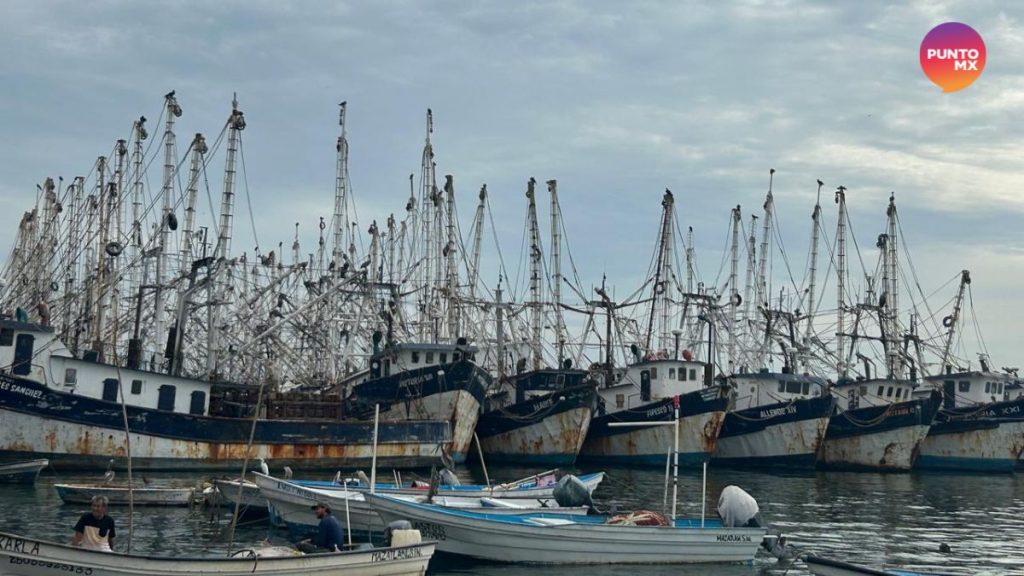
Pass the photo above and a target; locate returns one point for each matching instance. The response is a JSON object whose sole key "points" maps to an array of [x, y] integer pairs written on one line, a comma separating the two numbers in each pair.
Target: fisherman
{"points": [[95, 530], [329, 537]]}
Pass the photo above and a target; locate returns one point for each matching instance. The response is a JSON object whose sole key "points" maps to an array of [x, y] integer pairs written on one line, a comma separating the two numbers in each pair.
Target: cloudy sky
{"points": [[618, 101]]}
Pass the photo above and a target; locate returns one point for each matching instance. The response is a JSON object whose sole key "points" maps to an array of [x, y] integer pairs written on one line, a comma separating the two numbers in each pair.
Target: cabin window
{"points": [[620, 400], [387, 367], [654, 373], [987, 384], [671, 373], [22, 364], [415, 357], [863, 390], [70, 377], [889, 395], [682, 374], [430, 358], [197, 403], [443, 357], [455, 356], [899, 392], [693, 373], [136, 386], [807, 388], [110, 390], [165, 397], [965, 386], [881, 391], [6, 336], [793, 387], [1000, 388], [782, 386]]}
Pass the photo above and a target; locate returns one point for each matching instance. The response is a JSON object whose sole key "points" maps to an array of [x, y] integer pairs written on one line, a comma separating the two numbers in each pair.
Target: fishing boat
{"points": [[546, 538], [879, 424], [25, 556], [645, 394], [22, 472], [119, 495], [289, 505], [546, 424], [64, 408], [978, 428], [775, 420], [828, 567], [537, 486], [423, 381]]}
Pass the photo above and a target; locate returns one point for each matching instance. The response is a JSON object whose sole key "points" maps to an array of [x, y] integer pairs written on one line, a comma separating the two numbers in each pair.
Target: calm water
{"points": [[874, 519]]}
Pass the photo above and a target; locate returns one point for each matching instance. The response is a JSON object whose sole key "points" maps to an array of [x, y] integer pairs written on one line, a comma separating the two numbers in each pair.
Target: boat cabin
{"points": [[765, 388], [970, 388], [653, 380], [34, 352], [851, 394], [404, 357]]}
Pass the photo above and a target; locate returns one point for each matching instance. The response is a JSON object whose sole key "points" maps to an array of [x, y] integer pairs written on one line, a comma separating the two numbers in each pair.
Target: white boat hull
{"points": [[698, 435], [459, 407], [119, 496], [582, 543], [22, 472], [290, 504], [21, 556], [888, 450], [994, 448], [555, 440], [790, 442]]}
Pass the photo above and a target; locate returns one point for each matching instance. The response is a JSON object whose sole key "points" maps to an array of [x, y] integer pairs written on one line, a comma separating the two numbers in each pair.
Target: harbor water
{"points": [[867, 518]]}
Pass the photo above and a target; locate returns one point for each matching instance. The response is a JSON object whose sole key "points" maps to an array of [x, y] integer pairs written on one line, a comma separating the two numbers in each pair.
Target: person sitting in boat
{"points": [[329, 537], [95, 530]]}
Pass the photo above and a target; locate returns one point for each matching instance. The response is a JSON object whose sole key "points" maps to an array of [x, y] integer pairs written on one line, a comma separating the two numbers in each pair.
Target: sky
{"points": [[617, 101]]}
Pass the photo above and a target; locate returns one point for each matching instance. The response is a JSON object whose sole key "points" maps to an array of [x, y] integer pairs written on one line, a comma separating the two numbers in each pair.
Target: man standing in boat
{"points": [[95, 530], [329, 536]]}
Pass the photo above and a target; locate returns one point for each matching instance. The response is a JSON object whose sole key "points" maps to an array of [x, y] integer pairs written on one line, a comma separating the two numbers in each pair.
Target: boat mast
{"points": [[556, 266], [659, 301], [220, 286], [536, 306], [478, 238], [99, 280], [815, 234], [340, 195], [139, 135], [951, 320], [895, 363], [734, 252], [166, 216], [72, 321], [425, 285], [761, 283], [452, 273], [841, 368]]}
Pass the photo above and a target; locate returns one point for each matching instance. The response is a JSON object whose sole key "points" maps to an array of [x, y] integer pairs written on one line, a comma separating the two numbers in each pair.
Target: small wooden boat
{"points": [[290, 503], [118, 495], [24, 472], [536, 486], [825, 567], [545, 538], [23, 556]]}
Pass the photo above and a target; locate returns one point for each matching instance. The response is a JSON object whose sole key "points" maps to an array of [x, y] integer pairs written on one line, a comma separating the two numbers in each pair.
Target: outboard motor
{"points": [[738, 509], [571, 492], [448, 478], [396, 534]]}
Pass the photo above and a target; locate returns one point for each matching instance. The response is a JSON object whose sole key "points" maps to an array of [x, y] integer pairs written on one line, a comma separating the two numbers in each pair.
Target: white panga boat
{"points": [[289, 505], [547, 538], [23, 556], [225, 493], [118, 495], [24, 472], [536, 486], [827, 567]]}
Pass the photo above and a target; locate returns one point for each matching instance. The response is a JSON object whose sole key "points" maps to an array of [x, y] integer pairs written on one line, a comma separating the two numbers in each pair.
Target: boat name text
{"points": [[396, 554], [17, 389], [733, 538], [17, 545], [431, 531], [48, 564], [790, 409]]}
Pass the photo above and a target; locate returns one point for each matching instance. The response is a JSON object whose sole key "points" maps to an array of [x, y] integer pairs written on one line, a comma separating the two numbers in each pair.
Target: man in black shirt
{"points": [[95, 530]]}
